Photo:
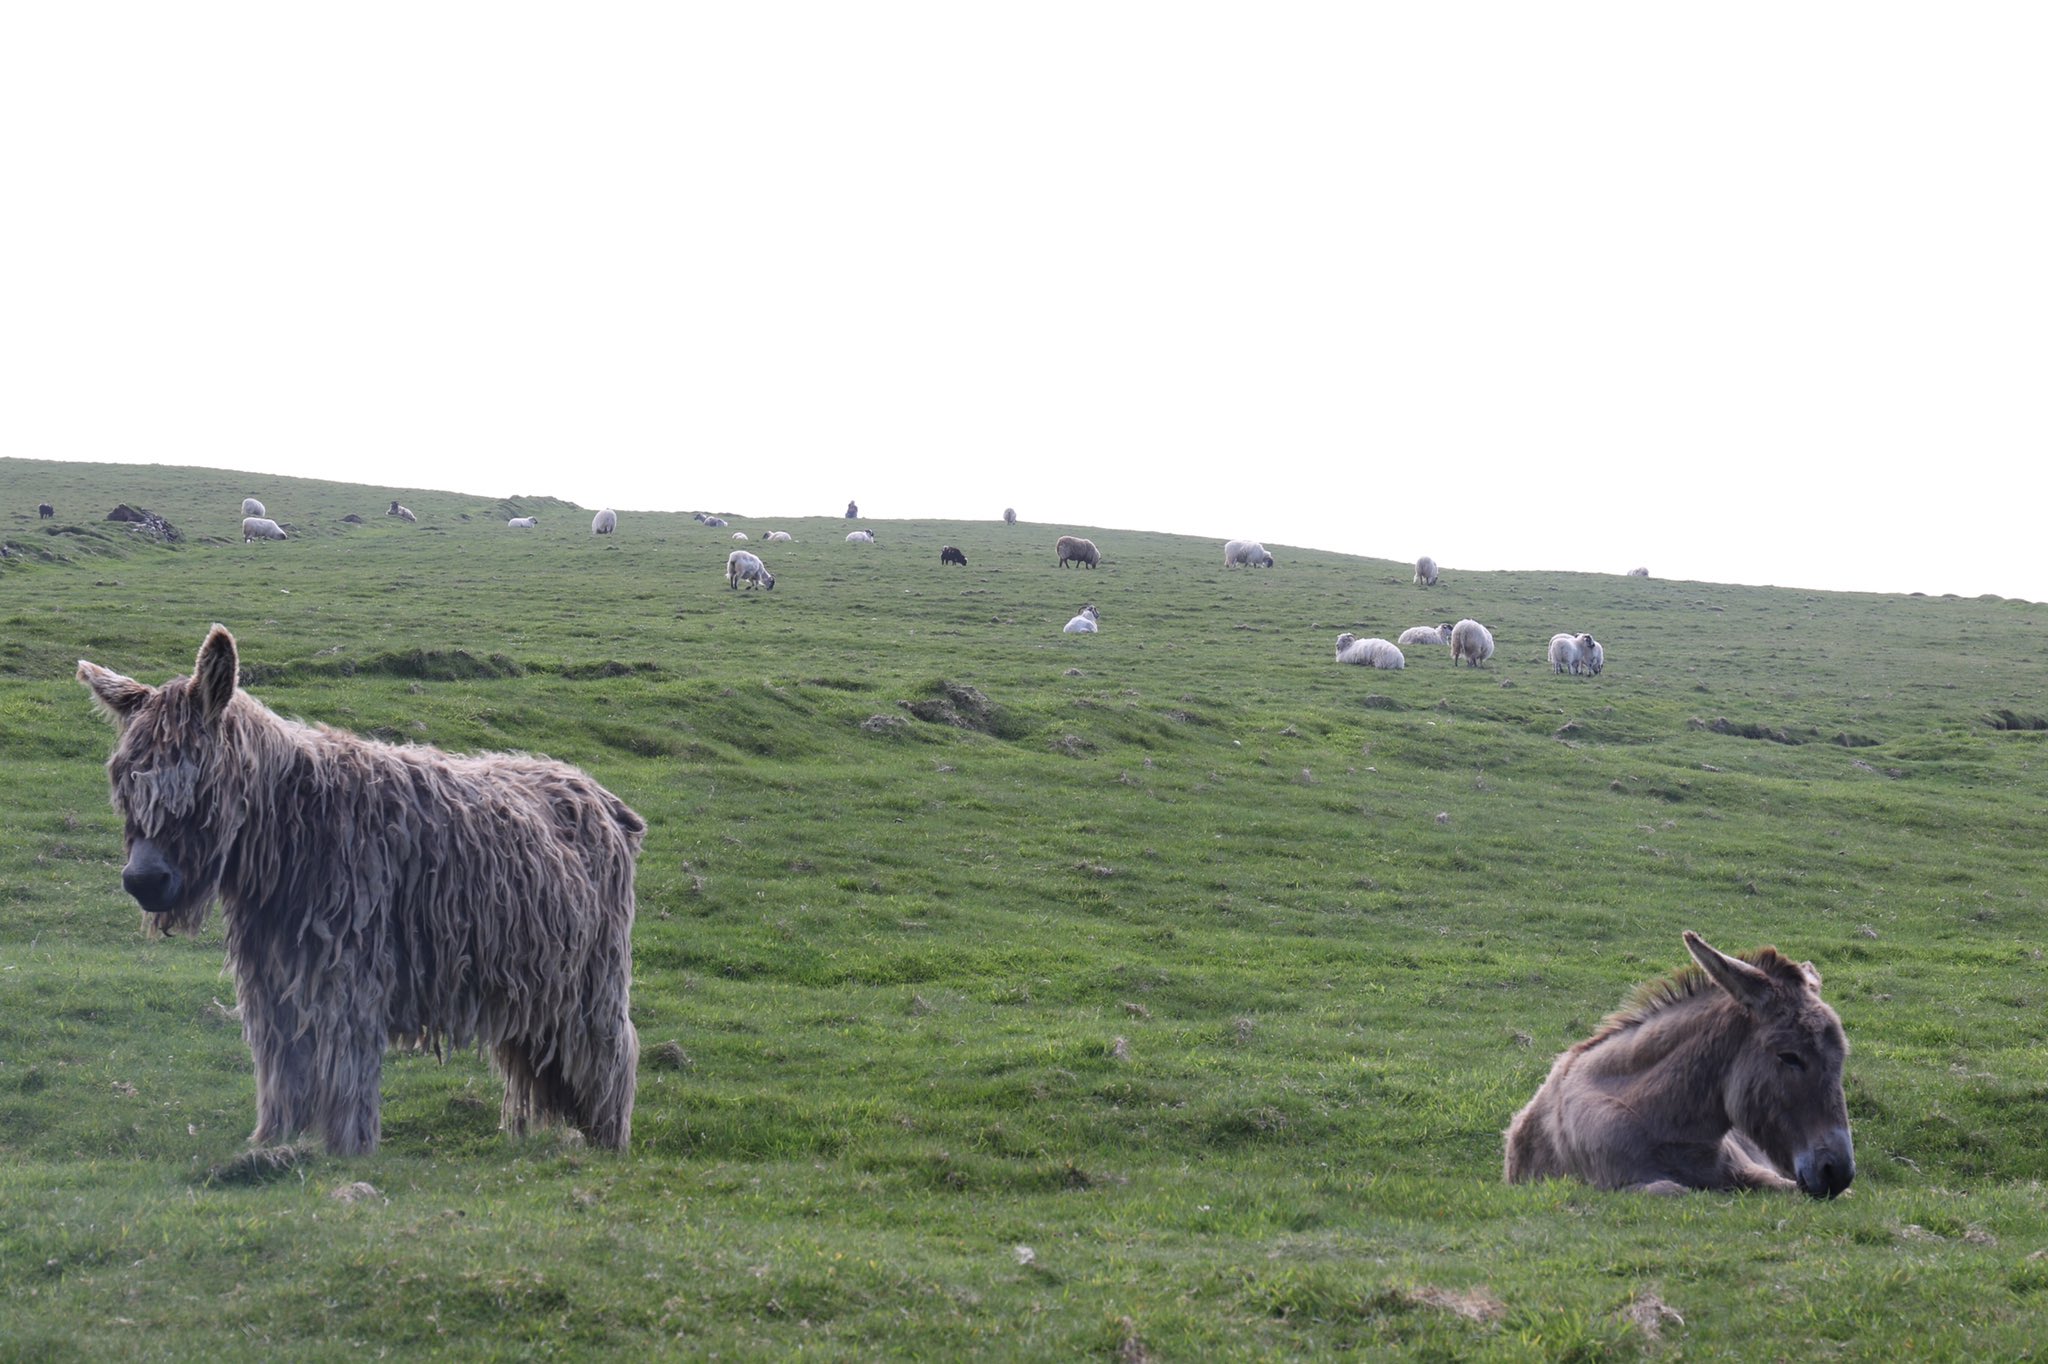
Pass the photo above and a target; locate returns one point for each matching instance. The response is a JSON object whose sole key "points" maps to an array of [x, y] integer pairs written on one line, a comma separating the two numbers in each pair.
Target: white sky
{"points": [[1748, 292]]}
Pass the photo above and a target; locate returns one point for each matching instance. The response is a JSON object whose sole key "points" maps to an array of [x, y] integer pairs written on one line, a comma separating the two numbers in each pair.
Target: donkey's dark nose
{"points": [[1826, 1170], [151, 879]]}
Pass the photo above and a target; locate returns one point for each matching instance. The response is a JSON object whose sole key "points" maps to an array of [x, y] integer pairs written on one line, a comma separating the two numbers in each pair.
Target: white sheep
{"points": [[402, 513], [522, 523], [742, 567], [709, 520], [251, 507], [1426, 634], [739, 535], [860, 537], [1425, 572], [1369, 653], [1009, 516], [1595, 656], [260, 528], [776, 536], [1472, 642], [1568, 652], [1639, 573], [1246, 554], [1086, 623], [605, 522]]}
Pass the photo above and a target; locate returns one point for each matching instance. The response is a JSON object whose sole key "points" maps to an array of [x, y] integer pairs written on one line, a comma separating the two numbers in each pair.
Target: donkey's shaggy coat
{"points": [[374, 892]]}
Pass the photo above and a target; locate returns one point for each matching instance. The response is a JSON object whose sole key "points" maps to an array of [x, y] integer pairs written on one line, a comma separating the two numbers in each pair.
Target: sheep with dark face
{"points": [[1369, 653], [1471, 642], [716, 522], [260, 528], [1246, 554], [1595, 657], [1425, 572], [1568, 653], [605, 522], [860, 537], [777, 536], [1426, 634], [742, 567], [1086, 623], [402, 513], [1072, 549], [1639, 573], [951, 555]]}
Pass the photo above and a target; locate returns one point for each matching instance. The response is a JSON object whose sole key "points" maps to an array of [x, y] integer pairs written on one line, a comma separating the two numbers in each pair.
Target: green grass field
{"points": [[1157, 995]]}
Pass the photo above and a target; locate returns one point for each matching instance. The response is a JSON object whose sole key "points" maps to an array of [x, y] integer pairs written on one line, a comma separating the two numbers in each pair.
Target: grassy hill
{"points": [[1203, 968]]}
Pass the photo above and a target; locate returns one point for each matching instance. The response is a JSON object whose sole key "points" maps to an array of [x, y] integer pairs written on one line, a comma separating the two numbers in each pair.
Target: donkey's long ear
{"points": [[1749, 984], [118, 696], [213, 676]]}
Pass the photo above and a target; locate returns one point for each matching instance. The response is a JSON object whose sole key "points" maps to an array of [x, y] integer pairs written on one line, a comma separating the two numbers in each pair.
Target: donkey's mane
{"points": [[1653, 997]]}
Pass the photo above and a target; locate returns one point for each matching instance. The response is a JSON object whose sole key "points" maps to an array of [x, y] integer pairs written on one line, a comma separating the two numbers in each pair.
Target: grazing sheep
{"points": [[378, 892], [742, 567], [1639, 573], [1472, 642], [1369, 653], [1009, 516], [1425, 572], [522, 522], [1426, 634], [44, 511], [776, 536], [739, 535], [1073, 549], [1246, 554], [950, 555], [1595, 656], [1568, 653], [251, 507], [260, 528], [402, 513], [1084, 624], [605, 522]]}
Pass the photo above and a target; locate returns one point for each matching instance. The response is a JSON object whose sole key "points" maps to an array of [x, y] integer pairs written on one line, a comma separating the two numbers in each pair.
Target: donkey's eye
{"points": [[1793, 1059]]}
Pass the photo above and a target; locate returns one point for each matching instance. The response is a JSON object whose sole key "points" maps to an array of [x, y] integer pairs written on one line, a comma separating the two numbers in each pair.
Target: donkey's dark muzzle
{"points": [[151, 879], [1827, 1169]]}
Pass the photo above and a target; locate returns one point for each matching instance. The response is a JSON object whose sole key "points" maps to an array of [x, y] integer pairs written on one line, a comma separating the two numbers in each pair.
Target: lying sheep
{"points": [[1073, 549], [1639, 573], [260, 528], [251, 507], [1009, 516], [1246, 554], [605, 522], [742, 567], [1568, 653], [522, 523], [1472, 642], [1425, 572], [402, 513], [739, 535], [860, 537], [1368, 653], [1083, 624], [714, 521], [775, 536], [1426, 634], [951, 555]]}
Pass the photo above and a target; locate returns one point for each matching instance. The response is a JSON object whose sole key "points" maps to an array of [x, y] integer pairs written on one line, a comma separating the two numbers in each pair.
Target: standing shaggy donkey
{"points": [[374, 892]]}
